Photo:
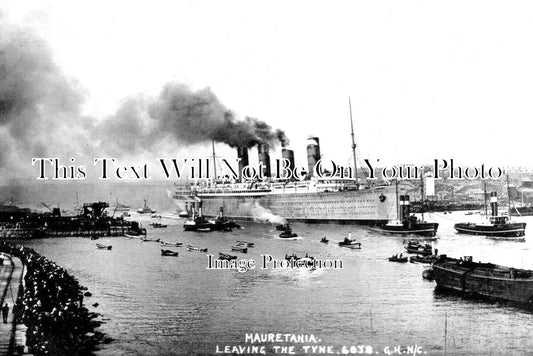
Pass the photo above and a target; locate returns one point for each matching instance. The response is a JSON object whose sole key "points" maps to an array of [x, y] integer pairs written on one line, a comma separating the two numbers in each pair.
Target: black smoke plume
{"points": [[41, 113], [38, 103], [186, 116]]}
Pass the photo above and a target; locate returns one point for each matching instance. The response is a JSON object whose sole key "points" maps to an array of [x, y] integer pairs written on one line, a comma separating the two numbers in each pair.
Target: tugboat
{"points": [[221, 223], [324, 240], [484, 279], [350, 243], [198, 221], [145, 209], [408, 224], [287, 233], [496, 227]]}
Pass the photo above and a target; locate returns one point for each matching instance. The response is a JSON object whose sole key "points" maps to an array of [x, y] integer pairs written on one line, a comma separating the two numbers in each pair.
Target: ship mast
{"points": [[397, 203], [508, 198], [485, 196], [353, 145], [214, 160], [422, 193]]}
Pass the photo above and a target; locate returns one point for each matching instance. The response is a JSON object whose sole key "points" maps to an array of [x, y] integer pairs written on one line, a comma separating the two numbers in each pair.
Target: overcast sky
{"points": [[426, 79]]}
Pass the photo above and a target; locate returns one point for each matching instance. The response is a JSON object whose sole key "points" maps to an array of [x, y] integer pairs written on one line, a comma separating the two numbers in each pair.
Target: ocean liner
{"points": [[314, 200]]}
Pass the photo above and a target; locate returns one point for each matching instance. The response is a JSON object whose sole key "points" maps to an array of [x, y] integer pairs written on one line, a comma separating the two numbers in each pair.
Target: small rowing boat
{"points": [[169, 253], [244, 243], [103, 247], [168, 243], [225, 256], [239, 248], [399, 257], [157, 225], [146, 239], [195, 248]]}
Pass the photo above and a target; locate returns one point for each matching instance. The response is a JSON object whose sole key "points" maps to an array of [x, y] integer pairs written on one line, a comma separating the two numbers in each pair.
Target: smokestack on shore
{"points": [[313, 154], [264, 158], [242, 153], [288, 155]]}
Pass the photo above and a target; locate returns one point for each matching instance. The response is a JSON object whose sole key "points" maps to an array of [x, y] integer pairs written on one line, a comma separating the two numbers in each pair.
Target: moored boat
{"points": [[484, 279], [169, 253], [104, 247]]}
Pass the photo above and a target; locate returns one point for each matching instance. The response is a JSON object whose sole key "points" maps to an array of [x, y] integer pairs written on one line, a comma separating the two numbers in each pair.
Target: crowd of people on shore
{"points": [[51, 306]]}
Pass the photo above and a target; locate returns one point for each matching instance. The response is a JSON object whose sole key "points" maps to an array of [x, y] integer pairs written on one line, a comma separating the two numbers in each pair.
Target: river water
{"points": [[155, 305]]}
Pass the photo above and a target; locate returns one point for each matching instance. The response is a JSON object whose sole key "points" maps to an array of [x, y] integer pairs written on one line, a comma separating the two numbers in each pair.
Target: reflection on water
{"points": [[155, 305]]}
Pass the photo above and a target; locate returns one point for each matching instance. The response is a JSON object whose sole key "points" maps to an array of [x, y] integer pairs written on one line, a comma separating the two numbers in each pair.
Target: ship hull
{"points": [[507, 230], [498, 283], [366, 206], [419, 229]]}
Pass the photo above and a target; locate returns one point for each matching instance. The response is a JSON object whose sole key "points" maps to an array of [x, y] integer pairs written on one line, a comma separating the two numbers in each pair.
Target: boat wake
{"points": [[288, 238]]}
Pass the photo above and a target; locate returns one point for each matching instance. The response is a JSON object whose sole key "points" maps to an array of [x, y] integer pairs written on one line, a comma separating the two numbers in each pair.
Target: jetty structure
{"points": [[91, 221]]}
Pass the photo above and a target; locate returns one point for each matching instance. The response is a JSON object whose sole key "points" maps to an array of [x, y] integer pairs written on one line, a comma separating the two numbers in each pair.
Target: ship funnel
{"points": [[494, 203], [406, 207], [264, 158], [200, 209], [288, 155], [242, 153], [313, 154], [400, 211]]}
